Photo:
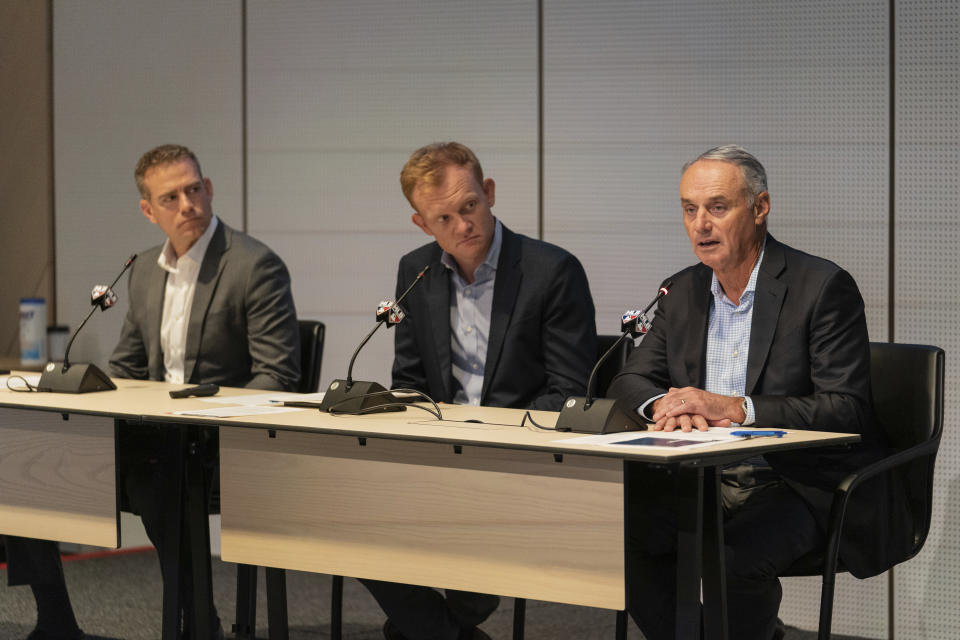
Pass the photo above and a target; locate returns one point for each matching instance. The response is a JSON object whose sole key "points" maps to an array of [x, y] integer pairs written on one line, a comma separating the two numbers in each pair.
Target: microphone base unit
{"points": [[603, 416], [357, 397], [78, 378]]}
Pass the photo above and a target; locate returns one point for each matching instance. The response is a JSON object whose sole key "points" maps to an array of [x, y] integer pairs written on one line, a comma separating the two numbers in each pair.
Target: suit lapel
{"points": [[437, 293], [767, 303], [505, 290], [695, 340], [156, 287], [213, 263]]}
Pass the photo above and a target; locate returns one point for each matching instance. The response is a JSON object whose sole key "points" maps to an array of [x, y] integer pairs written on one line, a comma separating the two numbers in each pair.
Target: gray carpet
{"points": [[118, 597]]}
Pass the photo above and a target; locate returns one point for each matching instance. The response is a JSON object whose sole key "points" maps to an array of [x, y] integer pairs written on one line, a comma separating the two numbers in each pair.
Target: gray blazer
{"points": [[243, 323]]}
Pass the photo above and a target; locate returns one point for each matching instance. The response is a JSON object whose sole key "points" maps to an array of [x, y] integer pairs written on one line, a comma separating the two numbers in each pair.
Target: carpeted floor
{"points": [[118, 597]]}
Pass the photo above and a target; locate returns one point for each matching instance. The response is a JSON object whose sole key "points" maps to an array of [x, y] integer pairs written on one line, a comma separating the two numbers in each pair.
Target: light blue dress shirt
{"points": [[471, 306], [728, 340], [728, 343]]}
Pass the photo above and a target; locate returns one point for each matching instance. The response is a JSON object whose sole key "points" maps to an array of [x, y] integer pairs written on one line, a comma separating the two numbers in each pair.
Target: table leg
{"points": [[621, 628], [689, 504], [170, 624], [519, 616], [277, 624], [714, 576], [245, 627], [336, 608], [198, 534]]}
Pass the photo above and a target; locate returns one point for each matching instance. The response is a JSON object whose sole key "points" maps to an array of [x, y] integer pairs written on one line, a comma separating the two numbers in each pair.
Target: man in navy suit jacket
{"points": [[759, 334], [500, 319]]}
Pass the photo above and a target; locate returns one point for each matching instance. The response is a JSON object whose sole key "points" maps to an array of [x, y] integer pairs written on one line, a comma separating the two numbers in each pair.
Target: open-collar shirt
{"points": [[471, 306], [182, 274]]}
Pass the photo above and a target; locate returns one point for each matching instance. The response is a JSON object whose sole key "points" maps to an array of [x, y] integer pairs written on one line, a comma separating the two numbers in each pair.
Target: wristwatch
{"points": [[743, 405]]}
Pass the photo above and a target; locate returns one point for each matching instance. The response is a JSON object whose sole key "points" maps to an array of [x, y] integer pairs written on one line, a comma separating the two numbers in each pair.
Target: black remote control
{"points": [[198, 391]]}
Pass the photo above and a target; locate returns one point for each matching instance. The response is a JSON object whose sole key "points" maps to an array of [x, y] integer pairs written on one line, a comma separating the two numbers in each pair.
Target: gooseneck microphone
{"points": [[354, 396], [604, 415], [388, 312], [87, 377]]}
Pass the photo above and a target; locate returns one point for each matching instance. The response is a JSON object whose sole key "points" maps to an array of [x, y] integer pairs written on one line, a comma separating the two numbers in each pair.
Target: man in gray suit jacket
{"points": [[500, 320], [210, 305]]}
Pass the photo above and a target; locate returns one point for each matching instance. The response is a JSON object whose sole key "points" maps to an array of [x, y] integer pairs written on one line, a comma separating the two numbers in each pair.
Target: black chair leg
{"points": [[826, 606], [336, 608], [245, 627], [277, 628], [519, 615], [621, 625]]}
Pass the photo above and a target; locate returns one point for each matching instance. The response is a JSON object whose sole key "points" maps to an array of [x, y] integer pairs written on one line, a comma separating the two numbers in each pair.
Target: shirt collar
{"points": [[751, 288], [493, 255], [168, 259]]}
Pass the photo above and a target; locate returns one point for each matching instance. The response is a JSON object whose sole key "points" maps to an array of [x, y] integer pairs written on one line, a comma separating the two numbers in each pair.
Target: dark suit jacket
{"points": [[243, 324], [808, 367], [542, 342]]}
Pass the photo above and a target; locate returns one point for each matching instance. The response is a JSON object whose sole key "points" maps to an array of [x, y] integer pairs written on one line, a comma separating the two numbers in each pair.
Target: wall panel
{"points": [[26, 167], [340, 94], [927, 300], [129, 75]]}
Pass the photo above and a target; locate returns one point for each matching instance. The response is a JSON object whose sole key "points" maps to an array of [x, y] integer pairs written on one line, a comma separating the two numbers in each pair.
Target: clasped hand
{"points": [[690, 408]]}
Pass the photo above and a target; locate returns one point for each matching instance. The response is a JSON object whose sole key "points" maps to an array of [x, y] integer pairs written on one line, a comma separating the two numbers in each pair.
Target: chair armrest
{"points": [[852, 481], [841, 495]]}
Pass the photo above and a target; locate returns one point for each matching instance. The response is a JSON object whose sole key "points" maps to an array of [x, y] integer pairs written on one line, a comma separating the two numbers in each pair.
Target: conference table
{"points": [[473, 501]]}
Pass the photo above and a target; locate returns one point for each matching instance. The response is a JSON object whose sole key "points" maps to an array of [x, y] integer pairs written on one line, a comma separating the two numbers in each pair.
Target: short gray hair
{"points": [[754, 175]]}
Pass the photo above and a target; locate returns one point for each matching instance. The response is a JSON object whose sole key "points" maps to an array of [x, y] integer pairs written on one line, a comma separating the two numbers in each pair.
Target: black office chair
{"points": [[908, 381], [311, 358], [605, 375], [311, 354]]}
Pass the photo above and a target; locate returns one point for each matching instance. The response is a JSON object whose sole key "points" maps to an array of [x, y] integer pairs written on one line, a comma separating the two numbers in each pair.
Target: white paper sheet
{"points": [[658, 439], [266, 399], [234, 412]]}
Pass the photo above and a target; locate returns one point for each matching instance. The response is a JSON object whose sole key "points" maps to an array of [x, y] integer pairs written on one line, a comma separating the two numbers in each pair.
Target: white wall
{"points": [[339, 93]]}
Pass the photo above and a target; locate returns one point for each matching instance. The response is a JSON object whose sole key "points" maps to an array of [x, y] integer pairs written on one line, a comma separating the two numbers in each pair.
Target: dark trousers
{"points": [[422, 613], [33, 562], [767, 526], [151, 479]]}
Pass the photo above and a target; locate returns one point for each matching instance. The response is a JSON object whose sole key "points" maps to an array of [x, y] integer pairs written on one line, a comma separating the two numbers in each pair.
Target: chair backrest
{"points": [[311, 354], [612, 366], [908, 381]]}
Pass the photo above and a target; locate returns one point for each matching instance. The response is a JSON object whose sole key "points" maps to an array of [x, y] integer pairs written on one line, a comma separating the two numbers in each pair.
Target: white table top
{"points": [[462, 425]]}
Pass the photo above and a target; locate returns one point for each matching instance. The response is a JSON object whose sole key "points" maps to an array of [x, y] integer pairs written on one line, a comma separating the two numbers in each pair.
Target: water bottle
{"points": [[33, 332]]}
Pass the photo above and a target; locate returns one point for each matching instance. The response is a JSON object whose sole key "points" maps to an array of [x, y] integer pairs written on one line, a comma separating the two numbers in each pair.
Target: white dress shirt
{"points": [[182, 274]]}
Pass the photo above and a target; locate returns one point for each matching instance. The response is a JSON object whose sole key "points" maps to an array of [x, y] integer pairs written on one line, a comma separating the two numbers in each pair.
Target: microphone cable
{"points": [[29, 387], [435, 412], [534, 426]]}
